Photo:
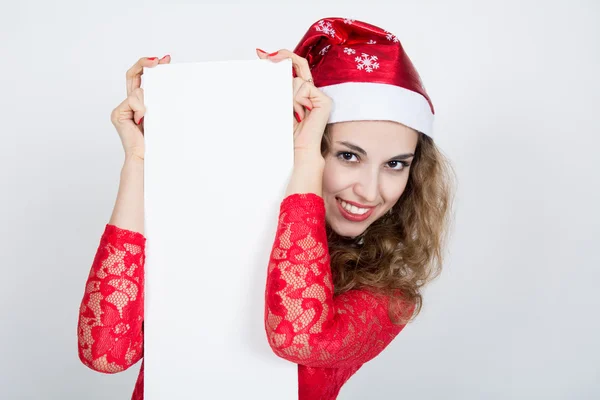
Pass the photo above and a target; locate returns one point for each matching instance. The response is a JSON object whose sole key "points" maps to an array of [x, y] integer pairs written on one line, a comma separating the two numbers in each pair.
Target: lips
{"points": [[354, 204], [353, 217]]}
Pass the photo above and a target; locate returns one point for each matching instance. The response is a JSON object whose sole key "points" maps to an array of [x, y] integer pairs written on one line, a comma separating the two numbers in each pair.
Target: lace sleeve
{"points": [[304, 322], [110, 328]]}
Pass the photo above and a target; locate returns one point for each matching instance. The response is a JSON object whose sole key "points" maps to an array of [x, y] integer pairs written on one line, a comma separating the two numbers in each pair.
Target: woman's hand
{"points": [[311, 106], [127, 116]]}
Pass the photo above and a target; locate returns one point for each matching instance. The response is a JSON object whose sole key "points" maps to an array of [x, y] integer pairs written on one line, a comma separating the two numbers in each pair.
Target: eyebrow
{"points": [[364, 153]]}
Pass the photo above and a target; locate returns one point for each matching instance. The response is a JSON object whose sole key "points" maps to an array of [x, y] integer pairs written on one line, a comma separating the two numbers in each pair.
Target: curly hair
{"points": [[401, 251]]}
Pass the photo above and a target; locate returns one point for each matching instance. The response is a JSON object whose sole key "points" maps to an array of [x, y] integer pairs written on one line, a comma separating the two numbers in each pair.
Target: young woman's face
{"points": [[367, 165]]}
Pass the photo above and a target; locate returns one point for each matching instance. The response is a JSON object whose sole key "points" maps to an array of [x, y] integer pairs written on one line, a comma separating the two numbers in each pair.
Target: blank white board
{"points": [[219, 153]]}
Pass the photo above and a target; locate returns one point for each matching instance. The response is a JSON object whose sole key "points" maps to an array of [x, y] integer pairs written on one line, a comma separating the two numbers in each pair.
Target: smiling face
{"points": [[367, 166]]}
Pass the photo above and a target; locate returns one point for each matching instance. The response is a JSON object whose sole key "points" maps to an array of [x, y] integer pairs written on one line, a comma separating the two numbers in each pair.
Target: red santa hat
{"points": [[367, 74]]}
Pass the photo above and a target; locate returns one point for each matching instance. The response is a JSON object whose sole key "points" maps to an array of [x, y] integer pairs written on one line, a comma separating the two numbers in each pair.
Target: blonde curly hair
{"points": [[403, 250]]}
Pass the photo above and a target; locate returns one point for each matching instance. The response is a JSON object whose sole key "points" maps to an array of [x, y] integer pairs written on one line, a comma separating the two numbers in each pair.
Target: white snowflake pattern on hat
{"points": [[348, 21], [386, 76], [367, 62], [390, 36], [326, 28], [324, 50]]}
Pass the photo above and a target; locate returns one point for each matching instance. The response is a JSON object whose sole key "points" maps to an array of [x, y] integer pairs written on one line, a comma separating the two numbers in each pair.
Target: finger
{"points": [[300, 63], [300, 102], [130, 109], [304, 101], [262, 54], [133, 76], [136, 102], [300, 112], [305, 98], [165, 59]]}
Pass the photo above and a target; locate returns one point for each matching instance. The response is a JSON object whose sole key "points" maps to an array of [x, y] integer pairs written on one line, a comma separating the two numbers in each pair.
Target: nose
{"points": [[366, 187]]}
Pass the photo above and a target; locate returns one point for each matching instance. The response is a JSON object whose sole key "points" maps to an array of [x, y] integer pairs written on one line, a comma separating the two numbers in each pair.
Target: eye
{"points": [[342, 155], [402, 164]]}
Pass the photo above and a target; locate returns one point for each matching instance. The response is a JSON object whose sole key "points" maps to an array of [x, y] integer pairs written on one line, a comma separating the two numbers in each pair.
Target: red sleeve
{"points": [[110, 328], [304, 322]]}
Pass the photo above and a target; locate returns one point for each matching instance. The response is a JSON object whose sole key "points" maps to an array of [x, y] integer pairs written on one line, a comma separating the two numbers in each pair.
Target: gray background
{"points": [[514, 315]]}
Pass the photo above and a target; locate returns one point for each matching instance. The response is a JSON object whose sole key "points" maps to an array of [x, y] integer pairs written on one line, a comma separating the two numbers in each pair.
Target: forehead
{"points": [[375, 134]]}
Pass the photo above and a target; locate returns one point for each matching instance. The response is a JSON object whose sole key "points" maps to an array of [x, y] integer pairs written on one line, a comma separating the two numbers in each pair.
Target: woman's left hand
{"points": [[311, 106]]}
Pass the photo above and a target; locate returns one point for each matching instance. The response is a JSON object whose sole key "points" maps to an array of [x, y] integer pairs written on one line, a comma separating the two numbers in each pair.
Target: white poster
{"points": [[219, 153]]}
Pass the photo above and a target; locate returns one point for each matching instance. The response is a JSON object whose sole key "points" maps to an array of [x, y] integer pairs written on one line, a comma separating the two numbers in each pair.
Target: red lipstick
{"points": [[354, 217]]}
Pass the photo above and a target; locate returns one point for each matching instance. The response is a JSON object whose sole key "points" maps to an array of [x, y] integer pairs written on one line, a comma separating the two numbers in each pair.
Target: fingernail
{"points": [[273, 54], [152, 58], [297, 117], [262, 51], [309, 109], [140, 121]]}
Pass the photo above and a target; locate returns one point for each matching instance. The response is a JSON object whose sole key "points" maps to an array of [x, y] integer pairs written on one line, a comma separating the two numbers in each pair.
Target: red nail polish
{"points": [[309, 109], [152, 58], [262, 51], [140, 121], [273, 54], [297, 117]]}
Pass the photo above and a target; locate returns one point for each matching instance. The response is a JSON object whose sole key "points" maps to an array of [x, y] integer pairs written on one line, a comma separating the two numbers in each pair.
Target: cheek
{"points": [[394, 188]]}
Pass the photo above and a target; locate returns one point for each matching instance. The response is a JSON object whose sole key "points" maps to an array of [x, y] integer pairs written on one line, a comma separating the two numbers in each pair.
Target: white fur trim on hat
{"points": [[360, 101]]}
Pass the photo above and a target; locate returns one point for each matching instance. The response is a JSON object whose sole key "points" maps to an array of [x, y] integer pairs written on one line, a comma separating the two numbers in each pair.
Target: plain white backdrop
{"points": [[514, 315]]}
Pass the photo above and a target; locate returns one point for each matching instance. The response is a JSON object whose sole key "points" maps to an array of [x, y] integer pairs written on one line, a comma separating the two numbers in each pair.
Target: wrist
{"points": [[307, 176], [303, 157], [133, 160]]}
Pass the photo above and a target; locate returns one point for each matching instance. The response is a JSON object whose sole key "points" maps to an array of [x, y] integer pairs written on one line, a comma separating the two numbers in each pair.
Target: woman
{"points": [[361, 228]]}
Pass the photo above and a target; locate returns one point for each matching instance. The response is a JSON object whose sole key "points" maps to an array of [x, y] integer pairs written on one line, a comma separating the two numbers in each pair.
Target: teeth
{"points": [[353, 209]]}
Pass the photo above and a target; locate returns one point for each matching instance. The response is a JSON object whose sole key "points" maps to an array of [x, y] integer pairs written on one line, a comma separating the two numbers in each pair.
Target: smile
{"points": [[353, 213]]}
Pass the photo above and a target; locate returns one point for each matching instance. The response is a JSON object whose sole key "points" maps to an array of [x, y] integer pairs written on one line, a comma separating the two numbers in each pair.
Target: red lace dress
{"points": [[329, 337]]}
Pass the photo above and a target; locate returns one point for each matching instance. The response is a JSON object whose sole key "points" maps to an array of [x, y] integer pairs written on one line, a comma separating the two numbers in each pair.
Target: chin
{"points": [[349, 232]]}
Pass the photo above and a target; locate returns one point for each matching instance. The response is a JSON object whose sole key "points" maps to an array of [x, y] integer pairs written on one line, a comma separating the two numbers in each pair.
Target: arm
{"points": [[110, 335], [110, 327], [304, 322], [128, 212]]}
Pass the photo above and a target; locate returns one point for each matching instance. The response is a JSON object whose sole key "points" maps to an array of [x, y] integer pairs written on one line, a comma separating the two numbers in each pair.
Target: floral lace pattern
{"points": [[112, 309], [329, 337]]}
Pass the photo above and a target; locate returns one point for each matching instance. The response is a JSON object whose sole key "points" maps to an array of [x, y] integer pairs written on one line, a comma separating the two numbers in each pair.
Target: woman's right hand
{"points": [[127, 117]]}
